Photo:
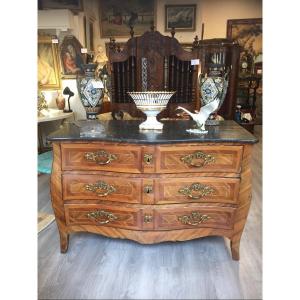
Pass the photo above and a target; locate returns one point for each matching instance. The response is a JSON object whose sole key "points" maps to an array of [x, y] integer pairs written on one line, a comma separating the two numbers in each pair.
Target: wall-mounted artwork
{"points": [[71, 56], [181, 17], [88, 25], [60, 4], [48, 64], [248, 33], [118, 15]]}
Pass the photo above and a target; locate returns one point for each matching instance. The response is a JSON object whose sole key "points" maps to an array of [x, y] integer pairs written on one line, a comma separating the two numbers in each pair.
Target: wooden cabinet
{"points": [[153, 192], [246, 98]]}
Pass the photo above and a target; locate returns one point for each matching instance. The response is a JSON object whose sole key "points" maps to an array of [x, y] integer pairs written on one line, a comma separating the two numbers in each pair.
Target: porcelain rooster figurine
{"points": [[201, 117]]}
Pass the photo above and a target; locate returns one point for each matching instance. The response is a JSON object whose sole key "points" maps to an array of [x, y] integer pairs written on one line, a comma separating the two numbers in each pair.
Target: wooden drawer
{"points": [[195, 158], [193, 217], [196, 189], [100, 187], [101, 156], [103, 215]]}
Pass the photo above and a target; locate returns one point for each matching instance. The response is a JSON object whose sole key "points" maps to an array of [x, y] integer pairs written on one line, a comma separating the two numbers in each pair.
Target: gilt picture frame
{"points": [[48, 64], [88, 25], [248, 33], [181, 17], [116, 17]]}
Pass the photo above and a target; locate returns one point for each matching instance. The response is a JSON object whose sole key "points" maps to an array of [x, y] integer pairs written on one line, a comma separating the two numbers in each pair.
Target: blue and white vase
{"points": [[90, 90], [213, 87]]}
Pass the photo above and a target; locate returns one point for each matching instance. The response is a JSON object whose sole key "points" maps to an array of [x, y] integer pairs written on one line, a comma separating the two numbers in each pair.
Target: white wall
{"points": [[213, 13]]}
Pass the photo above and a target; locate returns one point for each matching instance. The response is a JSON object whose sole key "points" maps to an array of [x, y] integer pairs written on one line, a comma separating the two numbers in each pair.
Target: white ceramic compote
{"points": [[151, 103]]}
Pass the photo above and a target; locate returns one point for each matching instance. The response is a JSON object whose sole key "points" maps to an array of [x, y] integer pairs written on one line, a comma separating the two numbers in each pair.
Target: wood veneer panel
{"points": [[125, 217], [57, 198], [223, 190], [152, 237], [127, 158], [226, 158], [244, 202], [122, 189], [218, 217]]}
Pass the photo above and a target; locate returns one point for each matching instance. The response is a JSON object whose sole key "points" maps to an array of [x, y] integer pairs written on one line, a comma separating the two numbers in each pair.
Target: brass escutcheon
{"points": [[102, 216], [98, 157], [194, 219], [104, 188], [204, 190], [206, 159], [148, 189], [148, 218], [148, 158]]}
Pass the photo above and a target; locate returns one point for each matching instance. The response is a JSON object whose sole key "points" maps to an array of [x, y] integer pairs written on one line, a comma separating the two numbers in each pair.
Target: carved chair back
{"points": [[153, 62]]}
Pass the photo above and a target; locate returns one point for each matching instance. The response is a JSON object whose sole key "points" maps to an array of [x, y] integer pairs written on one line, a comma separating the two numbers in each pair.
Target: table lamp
{"points": [[67, 91]]}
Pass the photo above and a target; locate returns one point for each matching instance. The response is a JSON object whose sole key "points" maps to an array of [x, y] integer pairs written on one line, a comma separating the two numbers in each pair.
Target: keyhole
{"points": [[148, 158], [148, 189]]}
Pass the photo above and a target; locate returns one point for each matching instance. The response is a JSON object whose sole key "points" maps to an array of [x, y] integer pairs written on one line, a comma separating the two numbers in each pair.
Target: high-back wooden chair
{"points": [[153, 62]]}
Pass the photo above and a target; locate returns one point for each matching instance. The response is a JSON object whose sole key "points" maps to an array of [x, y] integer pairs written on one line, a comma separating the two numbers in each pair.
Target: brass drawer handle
{"points": [[204, 190], [206, 159], [148, 218], [148, 189], [98, 156], [104, 188], [148, 158], [102, 216], [194, 219]]}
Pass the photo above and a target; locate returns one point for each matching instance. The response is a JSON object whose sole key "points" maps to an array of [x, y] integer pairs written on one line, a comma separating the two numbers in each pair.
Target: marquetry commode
{"points": [[152, 187]]}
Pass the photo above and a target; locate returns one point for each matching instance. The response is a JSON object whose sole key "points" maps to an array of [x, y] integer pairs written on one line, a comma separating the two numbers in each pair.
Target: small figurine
{"points": [[42, 103], [201, 117], [60, 101], [102, 71], [100, 59]]}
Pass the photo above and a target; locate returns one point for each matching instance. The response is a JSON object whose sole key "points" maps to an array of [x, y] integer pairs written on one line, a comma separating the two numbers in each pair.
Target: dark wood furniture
{"points": [[152, 62], [152, 187], [156, 62], [246, 97]]}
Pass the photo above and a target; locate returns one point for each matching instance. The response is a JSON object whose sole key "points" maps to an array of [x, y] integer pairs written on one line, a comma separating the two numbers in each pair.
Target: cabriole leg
{"points": [[64, 242], [235, 249]]}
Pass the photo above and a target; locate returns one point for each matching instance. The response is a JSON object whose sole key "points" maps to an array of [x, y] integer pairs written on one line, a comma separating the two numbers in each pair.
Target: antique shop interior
{"points": [[149, 149]]}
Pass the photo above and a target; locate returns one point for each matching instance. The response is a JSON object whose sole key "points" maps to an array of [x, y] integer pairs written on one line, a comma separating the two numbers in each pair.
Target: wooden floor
{"points": [[97, 267]]}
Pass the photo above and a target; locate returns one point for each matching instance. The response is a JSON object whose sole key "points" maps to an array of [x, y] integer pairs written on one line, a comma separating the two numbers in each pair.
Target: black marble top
{"points": [[173, 132]]}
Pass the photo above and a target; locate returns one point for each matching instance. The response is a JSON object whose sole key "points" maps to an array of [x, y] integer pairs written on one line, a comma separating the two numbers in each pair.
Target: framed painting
{"points": [[88, 25], [75, 5], [181, 17], [116, 17], [48, 64], [248, 33], [71, 57]]}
